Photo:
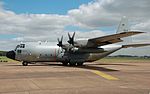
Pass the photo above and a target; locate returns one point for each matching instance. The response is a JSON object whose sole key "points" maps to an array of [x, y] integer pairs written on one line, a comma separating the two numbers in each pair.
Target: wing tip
{"points": [[132, 32]]}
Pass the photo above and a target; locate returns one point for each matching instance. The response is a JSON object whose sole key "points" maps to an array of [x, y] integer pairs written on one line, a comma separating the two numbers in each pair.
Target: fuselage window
{"points": [[22, 45], [17, 47]]}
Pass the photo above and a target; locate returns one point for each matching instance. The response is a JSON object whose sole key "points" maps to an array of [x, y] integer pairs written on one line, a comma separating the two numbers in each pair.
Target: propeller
{"points": [[60, 42], [71, 39]]}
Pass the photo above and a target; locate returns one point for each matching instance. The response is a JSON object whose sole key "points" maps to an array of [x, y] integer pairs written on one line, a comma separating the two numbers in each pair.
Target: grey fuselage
{"points": [[50, 52]]}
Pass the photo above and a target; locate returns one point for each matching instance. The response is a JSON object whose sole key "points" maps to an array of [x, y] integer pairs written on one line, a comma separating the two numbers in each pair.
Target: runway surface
{"points": [[92, 78]]}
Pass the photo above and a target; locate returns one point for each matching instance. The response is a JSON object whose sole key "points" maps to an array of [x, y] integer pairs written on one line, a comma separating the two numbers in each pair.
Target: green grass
{"points": [[124, 59], [5, 59]]}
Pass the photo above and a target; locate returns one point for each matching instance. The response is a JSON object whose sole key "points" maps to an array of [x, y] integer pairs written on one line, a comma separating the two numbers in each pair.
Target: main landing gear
{"points": [[72, 63], [79, 63], [65, 63], [24, 63]]}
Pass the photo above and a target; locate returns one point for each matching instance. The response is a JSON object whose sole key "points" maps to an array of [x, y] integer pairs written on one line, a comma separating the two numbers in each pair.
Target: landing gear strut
{"points": [[72, 63], [79, 63], [65, 63], [76, 63], [24, 63]]}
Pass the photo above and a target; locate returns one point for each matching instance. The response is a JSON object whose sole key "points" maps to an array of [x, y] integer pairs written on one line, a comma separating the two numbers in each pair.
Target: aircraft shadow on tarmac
{"points": [[86, 66], [35, 65], [112, 64], [99, 68]]}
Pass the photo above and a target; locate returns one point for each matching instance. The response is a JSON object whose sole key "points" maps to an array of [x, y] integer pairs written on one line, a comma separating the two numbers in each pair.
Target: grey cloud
{"points": [[108, 12], [128, 7], [31, 23]]}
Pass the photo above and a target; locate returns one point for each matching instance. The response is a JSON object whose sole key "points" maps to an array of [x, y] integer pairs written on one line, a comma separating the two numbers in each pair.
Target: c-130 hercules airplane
{"points": [[75, 52]]}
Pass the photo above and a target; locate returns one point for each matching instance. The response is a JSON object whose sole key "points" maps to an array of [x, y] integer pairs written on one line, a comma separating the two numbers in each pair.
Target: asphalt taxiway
{"points": [[92, 78]]}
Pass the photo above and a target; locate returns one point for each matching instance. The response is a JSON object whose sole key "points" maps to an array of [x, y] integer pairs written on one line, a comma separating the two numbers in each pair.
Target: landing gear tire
{"points": [[25, 63], [79, 63], [72, 63], [65, 63]]}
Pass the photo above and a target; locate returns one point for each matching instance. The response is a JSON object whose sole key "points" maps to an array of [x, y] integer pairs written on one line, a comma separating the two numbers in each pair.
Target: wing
{"points": [[110, 39], [135, 45]]}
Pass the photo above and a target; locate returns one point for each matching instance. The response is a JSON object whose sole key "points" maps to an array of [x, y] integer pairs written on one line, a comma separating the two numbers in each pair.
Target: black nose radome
{"points": [[11, 55]]}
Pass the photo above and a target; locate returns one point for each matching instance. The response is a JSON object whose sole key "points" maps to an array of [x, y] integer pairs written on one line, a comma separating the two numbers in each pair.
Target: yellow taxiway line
{"points": [[104, 75]]}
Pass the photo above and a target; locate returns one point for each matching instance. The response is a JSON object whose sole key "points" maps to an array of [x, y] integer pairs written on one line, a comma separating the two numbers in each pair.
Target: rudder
{"points": [[123, 26]]}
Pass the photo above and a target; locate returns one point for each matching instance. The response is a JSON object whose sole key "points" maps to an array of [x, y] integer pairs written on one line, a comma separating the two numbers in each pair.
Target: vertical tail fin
{"points": [[123, 26]]}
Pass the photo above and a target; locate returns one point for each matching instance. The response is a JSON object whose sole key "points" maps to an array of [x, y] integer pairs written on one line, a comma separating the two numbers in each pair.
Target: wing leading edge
{"points": [[110, 39]]}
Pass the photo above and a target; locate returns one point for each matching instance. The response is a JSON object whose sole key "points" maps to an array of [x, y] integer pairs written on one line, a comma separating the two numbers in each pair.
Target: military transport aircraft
{"points": [[75, 52]]}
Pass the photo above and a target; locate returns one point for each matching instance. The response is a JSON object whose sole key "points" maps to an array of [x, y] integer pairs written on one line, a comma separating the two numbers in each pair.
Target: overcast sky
{"points": [[35, 20]]}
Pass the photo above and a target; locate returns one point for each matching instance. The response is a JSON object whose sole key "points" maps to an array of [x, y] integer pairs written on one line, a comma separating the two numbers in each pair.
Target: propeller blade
{"points": [[60, 42], [61, 38], [73, 35], [58, 39], [69, 35], [71, 39]]}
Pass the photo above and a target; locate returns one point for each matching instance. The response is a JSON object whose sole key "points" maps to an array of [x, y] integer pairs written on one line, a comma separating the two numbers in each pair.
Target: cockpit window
{"points": [[22, 45], [17, 47]]}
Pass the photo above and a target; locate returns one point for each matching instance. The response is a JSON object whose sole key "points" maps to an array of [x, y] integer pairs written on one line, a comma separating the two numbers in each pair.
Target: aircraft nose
{"points": [[11, 55]]}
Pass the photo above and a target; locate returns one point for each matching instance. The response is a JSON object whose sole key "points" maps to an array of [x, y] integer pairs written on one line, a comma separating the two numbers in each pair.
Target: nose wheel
{"points": [[24, 63]]}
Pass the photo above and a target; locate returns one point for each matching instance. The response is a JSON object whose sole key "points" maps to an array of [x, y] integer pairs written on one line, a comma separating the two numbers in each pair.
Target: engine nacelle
{"points": [[91, 50], [87, 50]]}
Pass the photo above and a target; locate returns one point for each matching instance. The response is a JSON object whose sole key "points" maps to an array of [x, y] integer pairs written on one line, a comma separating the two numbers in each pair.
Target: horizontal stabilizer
{"points": [[135, 45]]}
